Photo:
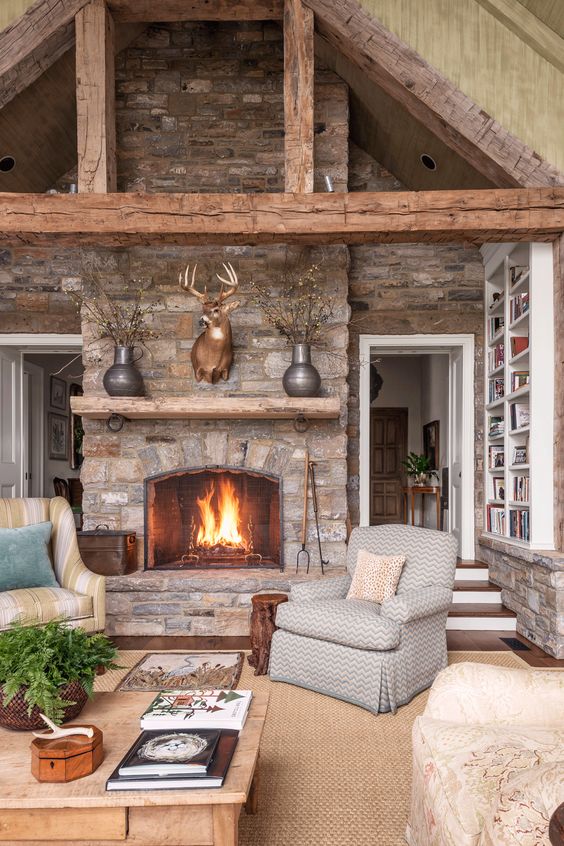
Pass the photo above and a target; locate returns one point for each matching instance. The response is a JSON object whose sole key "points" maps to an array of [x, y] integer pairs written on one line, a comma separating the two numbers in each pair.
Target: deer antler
{"points": [[232, 281], [190, 287]]}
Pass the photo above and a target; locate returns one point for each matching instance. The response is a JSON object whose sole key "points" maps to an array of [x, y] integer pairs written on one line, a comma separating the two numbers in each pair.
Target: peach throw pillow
{"points": [[376, 576]]}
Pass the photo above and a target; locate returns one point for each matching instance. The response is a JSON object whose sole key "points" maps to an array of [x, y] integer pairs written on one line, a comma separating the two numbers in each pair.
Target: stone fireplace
{"points": [[212, 517]]}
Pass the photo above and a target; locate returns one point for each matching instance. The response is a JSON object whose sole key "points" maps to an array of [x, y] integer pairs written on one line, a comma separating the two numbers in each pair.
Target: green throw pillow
{"points": [[24, 557]]}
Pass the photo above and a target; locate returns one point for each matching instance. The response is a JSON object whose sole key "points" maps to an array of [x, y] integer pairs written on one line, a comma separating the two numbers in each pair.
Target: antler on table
{"points": [[232, 281], [190, 287]]}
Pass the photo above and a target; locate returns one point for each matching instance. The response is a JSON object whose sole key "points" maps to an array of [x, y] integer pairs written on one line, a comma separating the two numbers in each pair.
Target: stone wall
{"points": [[409, 289], [532, 585], [200, 108], [32, 298]]}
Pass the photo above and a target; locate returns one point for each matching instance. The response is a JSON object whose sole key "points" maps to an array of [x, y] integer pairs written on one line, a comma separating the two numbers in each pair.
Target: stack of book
{"points": [[519, 344], [521, 489], [496, 357], [496, 519], [496, 325], [519, 378], [519, 524], [518, 305], [496, 427], [519, 412], [188, 741], [496, 389]]}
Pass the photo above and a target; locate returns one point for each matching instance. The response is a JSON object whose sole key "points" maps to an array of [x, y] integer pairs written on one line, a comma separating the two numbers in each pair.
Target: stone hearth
{"points": [[191, 602]]}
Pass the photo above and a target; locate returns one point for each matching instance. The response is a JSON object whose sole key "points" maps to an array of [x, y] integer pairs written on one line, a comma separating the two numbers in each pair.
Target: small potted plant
{"points": [[48, 669], [299, 311], [419, 469], [122, 319]]}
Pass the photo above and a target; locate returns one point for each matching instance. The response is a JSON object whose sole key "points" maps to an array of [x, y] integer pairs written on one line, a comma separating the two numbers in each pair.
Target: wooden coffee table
{"points": [[83, 812]]}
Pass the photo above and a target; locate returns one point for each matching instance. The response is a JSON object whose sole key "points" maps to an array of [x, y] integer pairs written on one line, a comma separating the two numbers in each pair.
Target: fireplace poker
{"points": [[303, 551], [315, 511]]}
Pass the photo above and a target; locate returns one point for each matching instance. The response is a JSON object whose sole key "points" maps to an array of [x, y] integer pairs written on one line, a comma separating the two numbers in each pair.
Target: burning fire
{"points": [[220, 519]]}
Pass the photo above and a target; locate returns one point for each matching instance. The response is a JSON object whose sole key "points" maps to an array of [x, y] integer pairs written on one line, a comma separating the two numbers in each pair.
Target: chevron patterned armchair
{"points": [[80, 597], [375, 656]]}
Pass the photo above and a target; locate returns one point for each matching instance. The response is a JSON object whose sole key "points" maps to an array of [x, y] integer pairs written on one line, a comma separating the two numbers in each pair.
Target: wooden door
{"points": [[388, 447]]}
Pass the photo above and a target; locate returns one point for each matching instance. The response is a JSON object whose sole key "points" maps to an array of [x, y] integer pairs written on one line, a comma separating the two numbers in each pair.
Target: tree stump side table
{"points": [[263, 626]]}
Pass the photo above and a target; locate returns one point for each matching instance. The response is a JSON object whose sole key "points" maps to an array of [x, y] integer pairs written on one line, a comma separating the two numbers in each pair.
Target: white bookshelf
{"points": [[518, 495]]}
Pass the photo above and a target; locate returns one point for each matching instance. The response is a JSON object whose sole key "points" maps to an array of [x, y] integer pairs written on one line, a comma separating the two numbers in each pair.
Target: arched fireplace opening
{"points": [[213, 517]]}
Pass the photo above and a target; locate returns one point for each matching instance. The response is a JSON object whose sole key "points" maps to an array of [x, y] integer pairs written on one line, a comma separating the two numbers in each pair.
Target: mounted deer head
{"points": [[212, 353]]}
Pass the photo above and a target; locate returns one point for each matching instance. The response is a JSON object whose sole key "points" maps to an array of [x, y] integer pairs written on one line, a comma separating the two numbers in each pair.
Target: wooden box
{"points": [[66, 758], [109, 553]]}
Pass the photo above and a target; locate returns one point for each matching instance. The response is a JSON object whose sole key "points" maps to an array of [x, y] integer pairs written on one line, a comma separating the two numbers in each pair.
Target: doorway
{"points": [[37, 375], [417, 396]]}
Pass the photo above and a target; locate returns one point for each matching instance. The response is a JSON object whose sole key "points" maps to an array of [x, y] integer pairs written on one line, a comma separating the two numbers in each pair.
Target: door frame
{"points": [[45, 342], [404, 345]]}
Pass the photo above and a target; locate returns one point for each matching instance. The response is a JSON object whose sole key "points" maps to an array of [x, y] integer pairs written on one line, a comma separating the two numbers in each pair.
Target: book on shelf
{"points": [[518, 306], [496, 324], [162, 741], [198, 709], [519, 344], [521, 489], [517, 272], [519, 378], [496, 426], [495, 519], [496, 457], [519, 523], [496, 388], [496, 356], [519, 414]]}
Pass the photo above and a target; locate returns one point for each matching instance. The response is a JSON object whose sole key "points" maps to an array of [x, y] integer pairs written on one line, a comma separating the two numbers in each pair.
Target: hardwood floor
{"points": [[457, 641]]}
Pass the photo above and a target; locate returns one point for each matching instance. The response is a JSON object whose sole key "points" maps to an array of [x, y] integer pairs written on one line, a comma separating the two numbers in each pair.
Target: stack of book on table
{"points": [[188, 740]]}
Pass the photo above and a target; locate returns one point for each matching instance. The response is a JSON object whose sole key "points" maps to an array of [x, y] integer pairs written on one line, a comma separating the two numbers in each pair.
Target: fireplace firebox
{"points": [[213, 517]]}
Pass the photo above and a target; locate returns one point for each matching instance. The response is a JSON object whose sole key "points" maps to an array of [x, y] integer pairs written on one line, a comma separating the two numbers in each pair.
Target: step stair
{"points": [[476, 602]]}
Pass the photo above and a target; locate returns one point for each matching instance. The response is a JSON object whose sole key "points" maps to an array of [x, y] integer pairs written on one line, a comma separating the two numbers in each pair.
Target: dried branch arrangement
{"points": [[300, 310], [120, 317]]}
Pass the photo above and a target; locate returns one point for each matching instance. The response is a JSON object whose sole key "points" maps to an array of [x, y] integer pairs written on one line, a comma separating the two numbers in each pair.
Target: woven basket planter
{"points": [[15, 715]]}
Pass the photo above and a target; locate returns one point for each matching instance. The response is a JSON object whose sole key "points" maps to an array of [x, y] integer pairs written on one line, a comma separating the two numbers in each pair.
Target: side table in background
{"points": [[263, 626]]}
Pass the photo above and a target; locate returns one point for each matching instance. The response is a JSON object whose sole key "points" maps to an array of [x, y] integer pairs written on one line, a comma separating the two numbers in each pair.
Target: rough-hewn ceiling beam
{"points": [[298, 97], [33, 42], [430, 97], [95, 98], [156, 219], [196, 10]]}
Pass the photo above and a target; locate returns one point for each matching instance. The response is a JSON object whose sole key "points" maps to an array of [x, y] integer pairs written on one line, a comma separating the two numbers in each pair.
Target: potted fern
{"points": [[418, 467], [49, 670]]}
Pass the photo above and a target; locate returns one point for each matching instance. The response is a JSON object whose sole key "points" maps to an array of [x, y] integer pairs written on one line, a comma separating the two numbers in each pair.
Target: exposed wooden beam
{"points": [[529, 28], [232, 219], [426, 94], [196, 10], [95, 99], [298, 97], [33, 42]]}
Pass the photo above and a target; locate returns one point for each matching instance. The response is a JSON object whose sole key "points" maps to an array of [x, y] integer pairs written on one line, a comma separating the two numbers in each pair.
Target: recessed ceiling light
{"points": [[7, 163], [428, 161]]}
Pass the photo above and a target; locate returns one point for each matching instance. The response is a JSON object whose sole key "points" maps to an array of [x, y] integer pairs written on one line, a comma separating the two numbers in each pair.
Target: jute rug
{"points": [[330, 773]]}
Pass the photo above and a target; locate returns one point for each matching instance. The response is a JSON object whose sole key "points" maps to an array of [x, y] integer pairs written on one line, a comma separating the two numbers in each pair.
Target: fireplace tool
{"points": [[315, 511], [303, 551]]}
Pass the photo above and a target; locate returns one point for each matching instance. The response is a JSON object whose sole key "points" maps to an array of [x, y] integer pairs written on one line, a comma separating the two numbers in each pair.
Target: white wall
{"points": [[402, 389], [51, 364], [419, 383]]}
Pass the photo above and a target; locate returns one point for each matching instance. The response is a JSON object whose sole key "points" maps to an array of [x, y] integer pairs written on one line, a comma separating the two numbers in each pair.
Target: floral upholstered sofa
{"points": [[488, 758]]}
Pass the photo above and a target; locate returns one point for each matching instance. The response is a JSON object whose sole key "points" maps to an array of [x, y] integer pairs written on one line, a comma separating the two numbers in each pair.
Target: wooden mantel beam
{"points": [[298, 97], [95, 98], [518, 214]]}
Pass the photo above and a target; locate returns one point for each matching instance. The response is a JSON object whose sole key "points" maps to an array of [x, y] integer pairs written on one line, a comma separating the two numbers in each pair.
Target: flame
{"points": [[220, 525]]}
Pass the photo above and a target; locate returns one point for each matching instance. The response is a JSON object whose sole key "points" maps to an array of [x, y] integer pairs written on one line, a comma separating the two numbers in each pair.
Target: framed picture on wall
{"points": [[431, 444], [58, 393], [57, 436]]}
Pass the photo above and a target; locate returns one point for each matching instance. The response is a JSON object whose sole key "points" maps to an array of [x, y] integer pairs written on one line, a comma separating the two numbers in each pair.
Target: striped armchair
{"points": [[81, 596]]}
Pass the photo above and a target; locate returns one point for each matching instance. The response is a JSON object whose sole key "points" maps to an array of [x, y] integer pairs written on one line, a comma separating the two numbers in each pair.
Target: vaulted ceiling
{"points": [[38, 125]]}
